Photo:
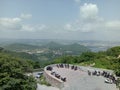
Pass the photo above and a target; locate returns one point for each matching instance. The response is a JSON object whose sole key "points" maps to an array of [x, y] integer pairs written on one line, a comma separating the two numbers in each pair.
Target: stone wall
{"points": [[53, 80]]}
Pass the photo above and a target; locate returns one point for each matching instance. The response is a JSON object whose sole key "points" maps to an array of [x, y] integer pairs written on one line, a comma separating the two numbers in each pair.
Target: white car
{"points": [[37, 76], [40, 73]]}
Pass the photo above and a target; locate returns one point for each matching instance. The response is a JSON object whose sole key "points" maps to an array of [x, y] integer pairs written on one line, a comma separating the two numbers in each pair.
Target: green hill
{"points": [[52, 45], [73, 49], [115, 51], [19, 46], [76, 48], [46, 52]]}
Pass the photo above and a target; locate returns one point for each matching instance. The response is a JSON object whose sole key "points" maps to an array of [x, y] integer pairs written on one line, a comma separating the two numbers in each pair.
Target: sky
{"points": [[60, 19]]}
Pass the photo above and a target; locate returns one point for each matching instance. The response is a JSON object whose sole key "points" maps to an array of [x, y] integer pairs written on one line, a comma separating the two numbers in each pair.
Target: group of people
{"points": [[62, 65], [97, 73], [58, 76], [67, 66], [109, 76], [74, 67], [104, 74], [50, 68]]}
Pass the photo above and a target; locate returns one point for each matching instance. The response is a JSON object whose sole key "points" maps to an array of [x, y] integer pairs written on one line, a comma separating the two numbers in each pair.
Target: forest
{"points": [[12, 73]]}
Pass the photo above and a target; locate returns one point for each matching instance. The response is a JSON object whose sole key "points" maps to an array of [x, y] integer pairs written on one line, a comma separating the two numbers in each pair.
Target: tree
{"points": [[12, 76], [118, 83]]}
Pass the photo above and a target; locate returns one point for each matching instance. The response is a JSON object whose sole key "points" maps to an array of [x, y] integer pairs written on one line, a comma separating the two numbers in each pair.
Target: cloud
{"points": [[89, 11], [68, 26], [113, 25], [82, 27], [28, 28], [25, 16], [10, 23], [19, 24], [41, 27], [89, 21], [77, 1], [33, 28]]}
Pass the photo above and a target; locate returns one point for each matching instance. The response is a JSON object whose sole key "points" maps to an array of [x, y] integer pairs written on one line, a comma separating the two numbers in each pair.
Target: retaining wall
{"points": [[52, 79]]}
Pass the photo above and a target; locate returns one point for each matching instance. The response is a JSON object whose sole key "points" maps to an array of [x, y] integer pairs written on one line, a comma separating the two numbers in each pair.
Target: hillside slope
{"points": [[12, 71]]}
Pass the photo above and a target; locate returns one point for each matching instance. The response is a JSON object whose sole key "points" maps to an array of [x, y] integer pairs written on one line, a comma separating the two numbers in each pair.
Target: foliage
{"points": [[22, 55], [51, 50], [117, 66], [19, 46], [43, 81], [115, 51], [74, 49], [118, 83], [12, 71]]}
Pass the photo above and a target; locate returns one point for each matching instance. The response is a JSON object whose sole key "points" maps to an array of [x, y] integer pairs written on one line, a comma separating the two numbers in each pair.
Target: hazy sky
{"points": [[60, 19]]}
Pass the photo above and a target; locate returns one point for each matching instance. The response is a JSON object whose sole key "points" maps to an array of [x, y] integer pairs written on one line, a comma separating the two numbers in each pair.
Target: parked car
{"points": [[39, 74]]}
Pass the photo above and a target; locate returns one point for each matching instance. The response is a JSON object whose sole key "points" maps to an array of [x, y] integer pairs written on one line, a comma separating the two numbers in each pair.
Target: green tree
{"points": [[12, 76]]}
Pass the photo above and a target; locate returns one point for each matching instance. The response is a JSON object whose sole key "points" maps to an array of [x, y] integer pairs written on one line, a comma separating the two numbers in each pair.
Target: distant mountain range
{"points": [[19, 46], [53, 46], [45, 52], [93, 45]]}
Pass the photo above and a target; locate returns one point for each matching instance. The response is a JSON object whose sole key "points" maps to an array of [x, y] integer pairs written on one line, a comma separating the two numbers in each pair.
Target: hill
{"points": [[72, 49], [19, 47], [52, 45], [23, 56], [45, 52]]}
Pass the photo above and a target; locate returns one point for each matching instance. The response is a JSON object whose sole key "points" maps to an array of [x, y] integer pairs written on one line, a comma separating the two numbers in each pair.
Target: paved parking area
{"points": [[80, 80]]}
